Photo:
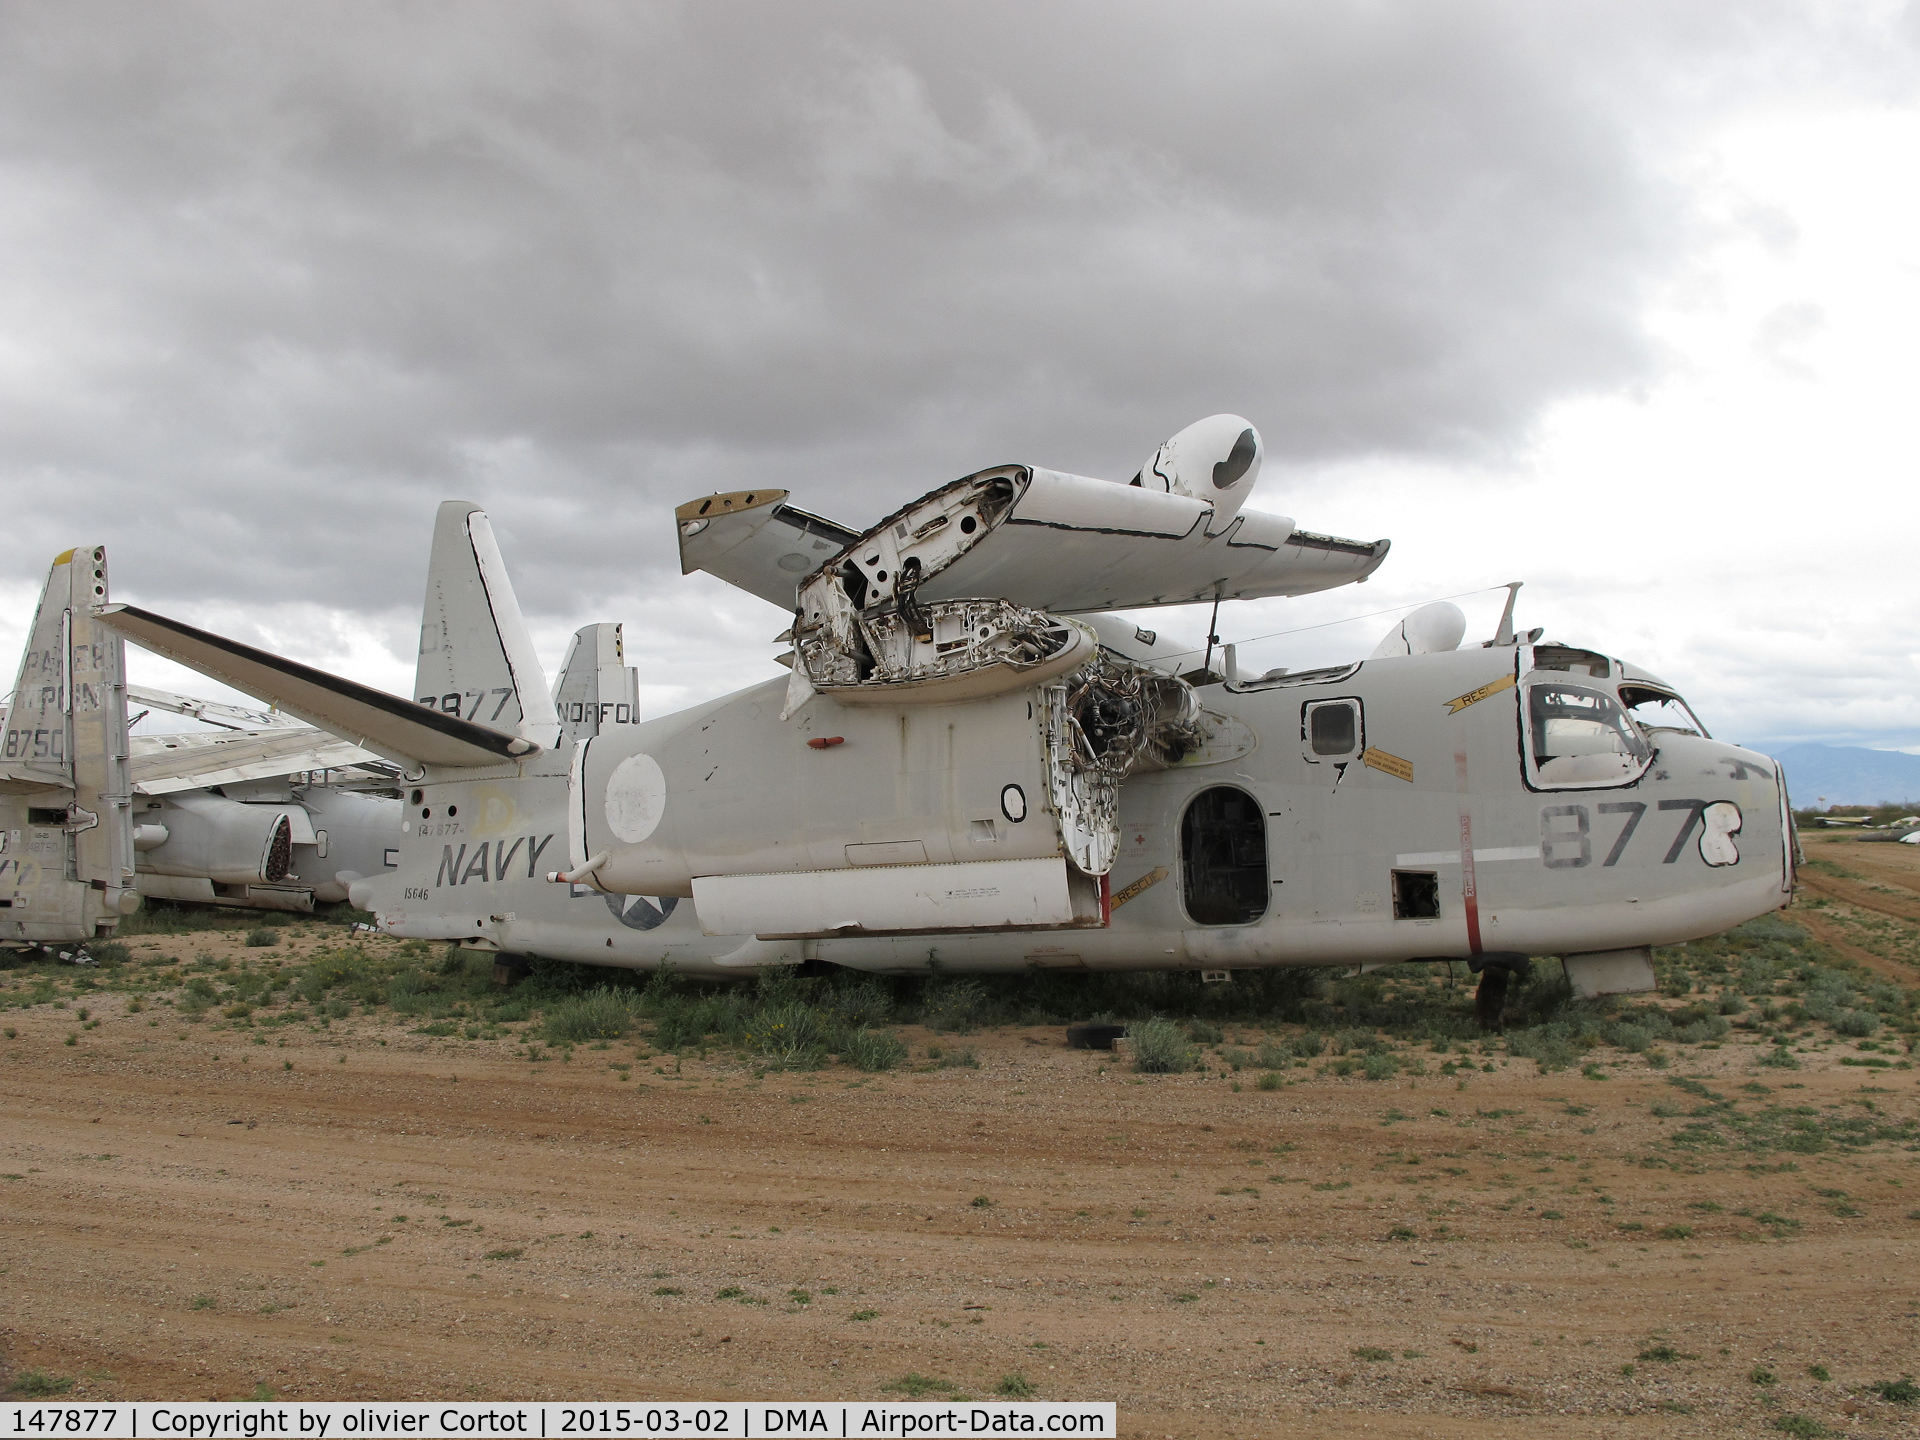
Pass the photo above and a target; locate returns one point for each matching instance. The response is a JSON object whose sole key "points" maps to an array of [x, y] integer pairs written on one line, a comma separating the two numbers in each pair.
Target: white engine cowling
{"points": [[224, 841]]}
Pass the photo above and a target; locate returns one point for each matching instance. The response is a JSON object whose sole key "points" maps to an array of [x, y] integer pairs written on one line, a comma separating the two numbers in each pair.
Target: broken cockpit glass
{"points": [[1579, 737], [1655, 709]]}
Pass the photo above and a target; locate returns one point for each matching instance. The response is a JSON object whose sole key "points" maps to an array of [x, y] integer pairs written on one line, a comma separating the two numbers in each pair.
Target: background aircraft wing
{"points": [[754, 540], [163, 764], [211, 712], [401, 730]]}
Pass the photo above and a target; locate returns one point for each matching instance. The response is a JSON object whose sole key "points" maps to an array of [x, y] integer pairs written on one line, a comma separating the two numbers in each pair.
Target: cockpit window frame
{"points": [[1557, 679], [1665, 692]]}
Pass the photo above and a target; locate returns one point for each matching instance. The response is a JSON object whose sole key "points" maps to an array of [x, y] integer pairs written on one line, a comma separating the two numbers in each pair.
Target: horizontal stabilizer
{"points": [[15, 780], [163, 764], [401, 730], [754, 541]]}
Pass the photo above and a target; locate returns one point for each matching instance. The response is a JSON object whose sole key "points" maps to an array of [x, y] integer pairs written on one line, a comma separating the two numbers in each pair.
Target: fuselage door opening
{"points": [[1223, 857]]}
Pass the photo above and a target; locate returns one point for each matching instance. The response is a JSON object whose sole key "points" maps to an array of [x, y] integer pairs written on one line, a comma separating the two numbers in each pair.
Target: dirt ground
{"points": [[362, 1211]]}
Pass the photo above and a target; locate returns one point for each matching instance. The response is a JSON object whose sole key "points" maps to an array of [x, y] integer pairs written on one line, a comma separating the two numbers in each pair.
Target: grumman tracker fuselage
{"points": [[974, 767], [1400, 809]]}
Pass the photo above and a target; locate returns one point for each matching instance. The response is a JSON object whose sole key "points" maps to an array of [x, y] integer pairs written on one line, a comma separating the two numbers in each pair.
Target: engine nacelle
{"points": [[222, 840]]}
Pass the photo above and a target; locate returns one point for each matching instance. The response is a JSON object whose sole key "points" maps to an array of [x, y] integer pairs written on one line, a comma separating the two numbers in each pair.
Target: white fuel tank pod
{"points": [[1215, 460]]}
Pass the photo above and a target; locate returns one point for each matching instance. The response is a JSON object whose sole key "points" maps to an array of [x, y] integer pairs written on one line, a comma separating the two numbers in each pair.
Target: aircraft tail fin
{"points": [[596, 687], [65, 757], [37, 743], [477, 661]]}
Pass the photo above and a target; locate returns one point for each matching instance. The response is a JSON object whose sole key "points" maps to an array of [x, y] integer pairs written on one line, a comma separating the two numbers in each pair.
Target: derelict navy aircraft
{"points": [[94, 818], [972, 766]]}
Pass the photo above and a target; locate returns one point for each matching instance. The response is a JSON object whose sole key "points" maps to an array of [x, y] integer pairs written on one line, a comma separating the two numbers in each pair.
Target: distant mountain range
{"points": [[1847, 774]]}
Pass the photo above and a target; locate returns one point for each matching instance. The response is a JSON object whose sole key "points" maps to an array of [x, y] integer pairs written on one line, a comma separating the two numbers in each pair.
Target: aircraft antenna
{"points": [[1504, 635]]}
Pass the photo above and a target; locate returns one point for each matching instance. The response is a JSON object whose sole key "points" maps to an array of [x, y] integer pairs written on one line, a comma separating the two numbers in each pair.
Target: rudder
{"points": [[477, 660]]}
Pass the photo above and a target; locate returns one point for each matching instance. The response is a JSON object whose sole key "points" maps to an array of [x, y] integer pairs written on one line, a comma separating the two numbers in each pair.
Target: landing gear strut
{"points": [[1490, 1000]]}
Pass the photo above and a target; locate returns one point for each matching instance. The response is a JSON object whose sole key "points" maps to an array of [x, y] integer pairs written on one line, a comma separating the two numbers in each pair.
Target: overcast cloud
{"points": [[278, 279]]}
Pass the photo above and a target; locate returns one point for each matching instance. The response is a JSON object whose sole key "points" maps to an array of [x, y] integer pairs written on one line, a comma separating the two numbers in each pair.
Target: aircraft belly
{"points": [[1608, 924]]}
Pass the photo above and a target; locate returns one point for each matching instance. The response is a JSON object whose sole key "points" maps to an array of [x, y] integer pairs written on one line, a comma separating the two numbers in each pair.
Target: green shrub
{"points": [[598, 1015], [1269, 1081], [872, 1050], [1160, 1047], [39, 1385], [955, 1007], [1901, 1392], [1629, 1036], [1381, 1066], [1016, 1387], [1856, 1022], [791, 1035], [1202, 1033], [1552, 1046], [1801, 1427], [262, 938], [1307, 1044]]}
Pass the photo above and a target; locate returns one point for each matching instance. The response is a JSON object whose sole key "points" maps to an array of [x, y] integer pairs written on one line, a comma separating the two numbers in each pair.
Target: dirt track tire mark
{"points": [[1827, 933], [1863, 897]]}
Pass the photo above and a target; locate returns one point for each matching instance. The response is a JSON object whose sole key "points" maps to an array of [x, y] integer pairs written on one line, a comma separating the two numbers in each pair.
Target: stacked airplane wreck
{"points": [[974, 766]]}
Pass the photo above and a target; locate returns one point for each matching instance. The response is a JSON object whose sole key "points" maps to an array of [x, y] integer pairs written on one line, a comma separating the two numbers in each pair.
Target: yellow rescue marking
{"points": [[63, 557], [1474, 697], [1391, 764], [1152, 877]]}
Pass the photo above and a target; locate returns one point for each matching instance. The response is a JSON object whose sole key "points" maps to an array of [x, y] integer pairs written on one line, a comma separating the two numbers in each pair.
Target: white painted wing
{"points": [[163, 764], [1056, 542], [1067, 543], [387, 725], [211, 712], [753, 540]]}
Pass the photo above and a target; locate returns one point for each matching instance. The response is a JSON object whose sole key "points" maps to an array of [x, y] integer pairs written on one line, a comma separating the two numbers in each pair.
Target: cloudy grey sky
{"points": [[1615, 298]]}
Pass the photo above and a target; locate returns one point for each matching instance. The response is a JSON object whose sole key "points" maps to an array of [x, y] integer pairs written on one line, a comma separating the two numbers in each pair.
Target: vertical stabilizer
{"points": [[596, 687], [476, 657], [66, 825]]}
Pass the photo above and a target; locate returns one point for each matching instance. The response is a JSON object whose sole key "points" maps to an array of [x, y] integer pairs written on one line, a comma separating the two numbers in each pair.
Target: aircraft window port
{"points": [[1579, 737], [37, 816], [1655, 709], [1223, 857], [1566, 657], [1416, 895], [1331, 729]]}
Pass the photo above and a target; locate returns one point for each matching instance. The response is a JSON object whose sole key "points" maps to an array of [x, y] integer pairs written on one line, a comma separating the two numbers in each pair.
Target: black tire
{"points": [[1089, 1036]]}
